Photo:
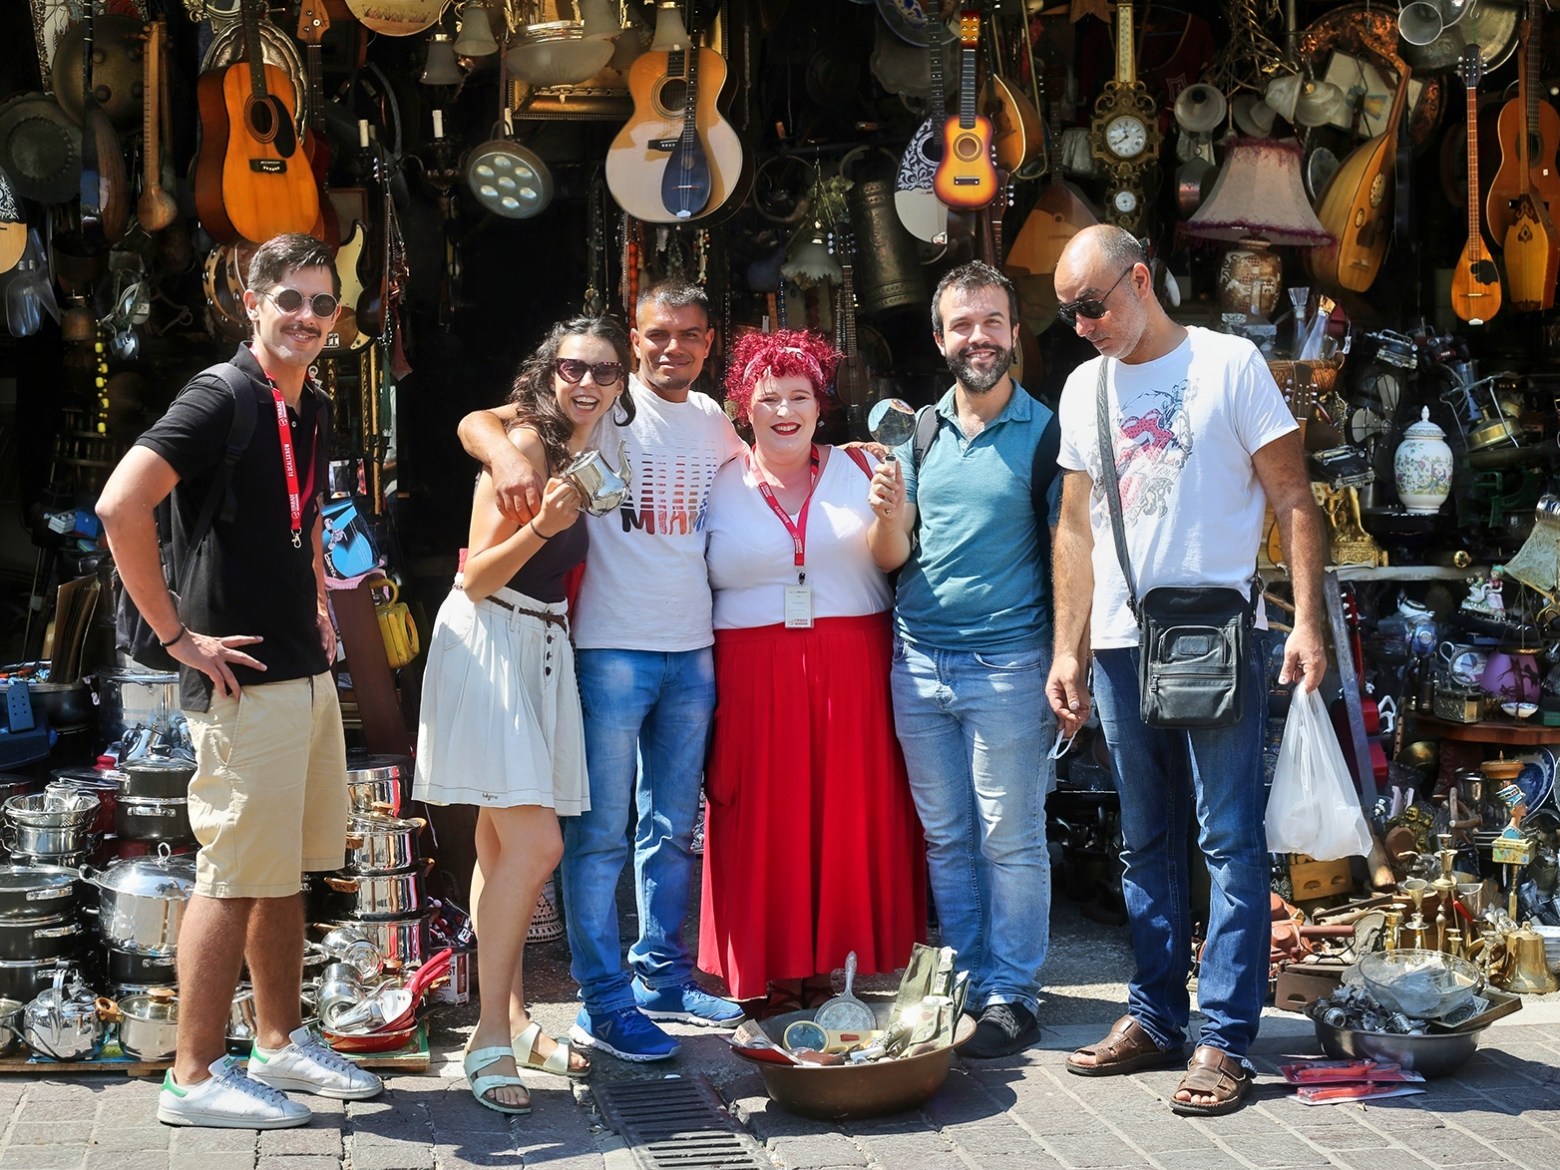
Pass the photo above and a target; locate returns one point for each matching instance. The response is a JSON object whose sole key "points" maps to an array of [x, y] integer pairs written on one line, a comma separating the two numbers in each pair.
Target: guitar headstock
{"points": [[969, 27], [1471, 66], [313, 21]]}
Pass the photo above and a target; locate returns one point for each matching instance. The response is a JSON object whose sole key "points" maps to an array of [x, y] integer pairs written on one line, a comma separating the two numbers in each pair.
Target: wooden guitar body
{"points": [[1059, 214], [209, 163], [1543, 178], [637, 159], [267, 186], [1017, 132], [966, 178]]}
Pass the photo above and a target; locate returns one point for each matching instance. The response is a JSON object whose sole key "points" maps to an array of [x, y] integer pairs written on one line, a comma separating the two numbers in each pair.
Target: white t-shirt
{"points": [[645, 585], [1186, 426], [752, 559]]}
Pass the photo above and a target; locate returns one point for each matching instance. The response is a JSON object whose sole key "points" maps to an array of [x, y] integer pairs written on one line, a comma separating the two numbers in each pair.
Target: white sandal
{"points": [[474, 1062], [557, 1062]]}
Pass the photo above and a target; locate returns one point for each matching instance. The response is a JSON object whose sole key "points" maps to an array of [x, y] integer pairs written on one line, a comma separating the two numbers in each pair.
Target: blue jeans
{"points": [[1162, 775], [976, 729], [647, 725]]}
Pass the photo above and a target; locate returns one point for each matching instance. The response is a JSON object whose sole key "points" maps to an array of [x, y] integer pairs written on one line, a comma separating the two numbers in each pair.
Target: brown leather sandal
{"points": [[1216, 1074], [1126, 1048]]}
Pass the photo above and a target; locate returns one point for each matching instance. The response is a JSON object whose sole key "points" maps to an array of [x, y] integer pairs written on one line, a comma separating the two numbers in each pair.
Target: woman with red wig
{"points": [[812, 846]]}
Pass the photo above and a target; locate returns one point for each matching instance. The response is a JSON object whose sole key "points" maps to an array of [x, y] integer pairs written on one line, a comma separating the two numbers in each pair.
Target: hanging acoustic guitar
{"points": [[966, 178], [1528, 237], [676, 159], [1525, 112], [1476, 293]]}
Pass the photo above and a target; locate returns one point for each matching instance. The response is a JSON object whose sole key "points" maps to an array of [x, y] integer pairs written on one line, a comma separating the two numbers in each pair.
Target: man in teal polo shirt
{"points": [[971, 654]]}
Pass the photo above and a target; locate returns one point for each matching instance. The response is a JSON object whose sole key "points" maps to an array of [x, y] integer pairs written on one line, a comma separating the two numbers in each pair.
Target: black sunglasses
{"points": [[1092, 308], [573, 371], [290, 300]]}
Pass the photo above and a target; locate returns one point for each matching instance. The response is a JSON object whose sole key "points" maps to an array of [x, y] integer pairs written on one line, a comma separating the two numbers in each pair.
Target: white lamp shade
{"points": [[599, 20], [555, 54], [1258, 193]]}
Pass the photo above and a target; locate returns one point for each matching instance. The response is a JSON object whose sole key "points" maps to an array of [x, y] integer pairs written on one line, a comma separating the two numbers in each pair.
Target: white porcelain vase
{"points": [[1422, 467]]}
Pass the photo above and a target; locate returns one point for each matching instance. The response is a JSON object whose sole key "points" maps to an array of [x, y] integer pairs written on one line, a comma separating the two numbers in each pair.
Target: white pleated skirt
{"points": [[500, 724]]}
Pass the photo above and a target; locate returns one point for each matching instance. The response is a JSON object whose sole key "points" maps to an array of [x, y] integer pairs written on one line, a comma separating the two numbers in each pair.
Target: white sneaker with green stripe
{"points": [[228, 1100], [307, 1065]]}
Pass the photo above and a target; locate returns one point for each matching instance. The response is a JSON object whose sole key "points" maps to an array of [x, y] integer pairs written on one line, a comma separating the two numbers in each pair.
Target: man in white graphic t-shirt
{"points": [[643, 632], [1201, 441]]}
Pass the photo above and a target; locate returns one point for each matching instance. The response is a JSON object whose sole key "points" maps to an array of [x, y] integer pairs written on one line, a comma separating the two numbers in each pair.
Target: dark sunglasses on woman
{"points": [[573, 371]]}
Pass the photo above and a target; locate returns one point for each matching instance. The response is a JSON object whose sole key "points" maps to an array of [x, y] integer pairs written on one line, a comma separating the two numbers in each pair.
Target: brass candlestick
{"points": [[1415, 888], [1445, 888], [1394, 922]]}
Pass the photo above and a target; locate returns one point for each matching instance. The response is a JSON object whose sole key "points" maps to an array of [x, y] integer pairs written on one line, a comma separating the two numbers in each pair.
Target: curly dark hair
{"points": [[779, 355], [536, 405]]}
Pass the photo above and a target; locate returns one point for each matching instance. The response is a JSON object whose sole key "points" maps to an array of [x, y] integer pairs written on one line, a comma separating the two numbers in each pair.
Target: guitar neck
{"points": [[967, 87], [1126, 65], [151, 101], [316, 90], [690, 130], [1527, 74], [1473, 162], [939, 107], [253, 51]]}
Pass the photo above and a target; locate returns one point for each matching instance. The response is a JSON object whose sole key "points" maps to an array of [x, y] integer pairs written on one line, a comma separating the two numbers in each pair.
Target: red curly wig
{"points": [[780, 354]]}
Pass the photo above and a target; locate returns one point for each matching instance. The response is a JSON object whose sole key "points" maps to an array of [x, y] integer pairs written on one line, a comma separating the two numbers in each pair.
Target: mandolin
{"points": [[966, 178], [1541, 123], [156, 209], [676, 159], [924, 215], [252, 181], [1476, 293], [1357, 209], [1017, 134]]}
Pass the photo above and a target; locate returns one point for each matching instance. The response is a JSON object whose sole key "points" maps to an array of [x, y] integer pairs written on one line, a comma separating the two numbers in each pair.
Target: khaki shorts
{"points": [[269, 799]]}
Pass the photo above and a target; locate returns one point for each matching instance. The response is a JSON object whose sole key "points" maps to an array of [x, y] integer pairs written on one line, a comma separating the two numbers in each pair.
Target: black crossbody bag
{"points": [[1192, 642]]}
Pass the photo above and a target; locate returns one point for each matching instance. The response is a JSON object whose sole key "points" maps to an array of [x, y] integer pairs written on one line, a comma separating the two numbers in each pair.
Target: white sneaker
{"points": [[308, 1066], [229, 1100]]}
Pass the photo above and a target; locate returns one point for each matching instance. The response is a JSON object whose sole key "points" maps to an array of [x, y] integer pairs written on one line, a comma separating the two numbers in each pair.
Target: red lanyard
{"points": [[295, 497], [797, 529]]}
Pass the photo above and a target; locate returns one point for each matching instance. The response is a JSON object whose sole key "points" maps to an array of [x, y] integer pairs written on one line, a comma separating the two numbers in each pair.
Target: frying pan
{"points": [[40, 148]]}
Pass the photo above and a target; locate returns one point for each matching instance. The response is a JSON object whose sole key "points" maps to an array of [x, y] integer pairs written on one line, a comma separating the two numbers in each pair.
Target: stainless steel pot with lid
{"points": [[142, 900], [382, 844], [156, 777], [37, 891], [148, 1023], [378, 783]]}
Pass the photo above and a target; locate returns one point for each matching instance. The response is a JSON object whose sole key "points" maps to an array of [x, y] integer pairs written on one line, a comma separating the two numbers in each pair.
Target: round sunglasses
{"points": [[573, 371], [1092, 308], [290, 300]]}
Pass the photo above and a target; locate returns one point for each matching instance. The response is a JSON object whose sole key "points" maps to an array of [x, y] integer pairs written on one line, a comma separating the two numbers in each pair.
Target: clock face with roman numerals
{"points": [[1126, 136]]}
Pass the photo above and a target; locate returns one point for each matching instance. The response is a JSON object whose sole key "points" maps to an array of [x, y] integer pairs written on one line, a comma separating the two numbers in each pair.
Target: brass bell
{"points": [[79, 323], [1530, 974]]}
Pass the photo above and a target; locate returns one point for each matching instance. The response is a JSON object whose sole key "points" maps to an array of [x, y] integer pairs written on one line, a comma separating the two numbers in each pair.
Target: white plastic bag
{"points": [[1313, 808]]}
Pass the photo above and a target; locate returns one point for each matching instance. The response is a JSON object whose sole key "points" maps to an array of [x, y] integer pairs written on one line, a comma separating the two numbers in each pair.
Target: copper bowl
{"points": [[840, 1092]]}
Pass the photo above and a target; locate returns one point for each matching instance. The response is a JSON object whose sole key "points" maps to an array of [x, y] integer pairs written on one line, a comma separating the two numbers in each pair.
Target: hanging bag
{"points": [[1312, 807], [1192, 642]]}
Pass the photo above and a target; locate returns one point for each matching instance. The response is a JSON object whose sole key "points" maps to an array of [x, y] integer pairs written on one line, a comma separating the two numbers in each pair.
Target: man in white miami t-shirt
{"points": [[643, 633]]}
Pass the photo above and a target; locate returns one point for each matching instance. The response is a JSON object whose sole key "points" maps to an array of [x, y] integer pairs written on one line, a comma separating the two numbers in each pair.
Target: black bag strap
{"points": [[240, 431], [1041, 474], [1112, 487]]}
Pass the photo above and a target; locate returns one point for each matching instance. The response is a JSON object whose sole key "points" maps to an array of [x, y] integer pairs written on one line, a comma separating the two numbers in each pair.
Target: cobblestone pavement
{"points": [[1026, 1113]]}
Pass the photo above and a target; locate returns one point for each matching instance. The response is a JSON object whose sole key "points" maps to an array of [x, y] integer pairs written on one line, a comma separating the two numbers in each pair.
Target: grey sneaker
{"points": [[308, 1066], [229, 1100]]}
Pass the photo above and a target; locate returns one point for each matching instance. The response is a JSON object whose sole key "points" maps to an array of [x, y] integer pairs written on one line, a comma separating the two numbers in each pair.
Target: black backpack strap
{"points": [[1043, 472], [925, 433], [239, 434]]}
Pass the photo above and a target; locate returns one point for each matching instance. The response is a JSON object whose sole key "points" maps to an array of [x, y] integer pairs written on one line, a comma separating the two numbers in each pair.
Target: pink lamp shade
{"points": [[1259, 193]]}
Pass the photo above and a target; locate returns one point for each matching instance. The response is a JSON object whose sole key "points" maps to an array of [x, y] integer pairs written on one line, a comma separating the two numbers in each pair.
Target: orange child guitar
{"points": [[1476, 292], [252, 180], [966, 177]]}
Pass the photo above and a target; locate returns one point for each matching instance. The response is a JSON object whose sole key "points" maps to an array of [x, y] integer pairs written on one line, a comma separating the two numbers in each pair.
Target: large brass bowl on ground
{"points": [[840, 1092]]}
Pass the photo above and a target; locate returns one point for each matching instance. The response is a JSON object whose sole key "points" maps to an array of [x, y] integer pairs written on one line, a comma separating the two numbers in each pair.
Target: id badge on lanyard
{"points": [[797, 609]]}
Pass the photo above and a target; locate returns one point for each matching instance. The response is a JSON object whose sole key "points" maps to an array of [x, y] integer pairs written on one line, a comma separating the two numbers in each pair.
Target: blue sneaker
{"points": [[625, 1034], [688, 1004]]}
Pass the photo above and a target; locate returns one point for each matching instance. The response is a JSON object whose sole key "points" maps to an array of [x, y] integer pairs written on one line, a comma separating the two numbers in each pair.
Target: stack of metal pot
{"points": [[103, 786], [151, 808], [50, 828], [138, 710], [381, 892], [141, 902], [40, 925]]}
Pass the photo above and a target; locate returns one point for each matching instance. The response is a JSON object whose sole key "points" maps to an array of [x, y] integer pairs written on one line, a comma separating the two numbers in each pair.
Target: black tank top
{"points": [[542, 576]]}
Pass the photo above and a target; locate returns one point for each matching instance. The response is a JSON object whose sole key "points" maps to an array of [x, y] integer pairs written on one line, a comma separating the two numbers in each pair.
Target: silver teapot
{"points": [[65, 1023], [601, 489]]}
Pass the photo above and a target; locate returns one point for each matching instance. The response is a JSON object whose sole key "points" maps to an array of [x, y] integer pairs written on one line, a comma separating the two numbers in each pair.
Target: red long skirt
{"points": [[812, 846]]}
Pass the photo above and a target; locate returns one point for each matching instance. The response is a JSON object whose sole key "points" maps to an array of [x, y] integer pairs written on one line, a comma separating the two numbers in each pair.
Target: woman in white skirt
{"points": [[500, 726]]}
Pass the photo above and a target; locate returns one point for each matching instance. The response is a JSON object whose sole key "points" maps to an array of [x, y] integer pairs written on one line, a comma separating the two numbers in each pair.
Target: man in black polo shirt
{"points": [[269, 797]]}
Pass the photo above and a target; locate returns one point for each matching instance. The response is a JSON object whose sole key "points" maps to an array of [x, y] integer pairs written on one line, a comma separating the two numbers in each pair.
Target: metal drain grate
{"points": [[678, 1124]]}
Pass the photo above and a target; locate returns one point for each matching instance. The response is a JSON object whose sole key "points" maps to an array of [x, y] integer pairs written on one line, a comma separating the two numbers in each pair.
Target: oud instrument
{"points": [[966, 177], [1476, 291], [1357, 208]]}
